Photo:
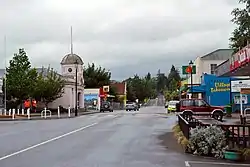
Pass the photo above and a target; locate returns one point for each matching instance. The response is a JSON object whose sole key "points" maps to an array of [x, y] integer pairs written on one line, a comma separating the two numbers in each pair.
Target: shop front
{"points": [[236, 86]]}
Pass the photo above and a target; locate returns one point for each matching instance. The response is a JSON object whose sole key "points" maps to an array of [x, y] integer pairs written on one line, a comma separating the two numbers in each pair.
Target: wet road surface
{"points": [[119, 139]]}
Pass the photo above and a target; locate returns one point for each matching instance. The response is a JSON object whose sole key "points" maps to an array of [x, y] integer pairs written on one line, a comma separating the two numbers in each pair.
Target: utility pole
{"points": [[5, 72]]}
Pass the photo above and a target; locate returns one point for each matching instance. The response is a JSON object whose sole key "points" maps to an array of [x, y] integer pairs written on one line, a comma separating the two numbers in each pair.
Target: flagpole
{"points": [[5, 72]]}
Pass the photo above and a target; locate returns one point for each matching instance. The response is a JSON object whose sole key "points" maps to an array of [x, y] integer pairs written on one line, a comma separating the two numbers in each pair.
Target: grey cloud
{"points": [[125, 36]]}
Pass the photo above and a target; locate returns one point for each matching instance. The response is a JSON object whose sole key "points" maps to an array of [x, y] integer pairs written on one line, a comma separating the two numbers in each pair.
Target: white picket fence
{"points": [[44, 113], [14, 113]]}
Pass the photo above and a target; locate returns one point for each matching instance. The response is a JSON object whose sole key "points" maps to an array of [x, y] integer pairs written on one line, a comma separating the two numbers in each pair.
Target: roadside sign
{"points": [[245, 90], [186, 69], [106, 89], [237, 85]]}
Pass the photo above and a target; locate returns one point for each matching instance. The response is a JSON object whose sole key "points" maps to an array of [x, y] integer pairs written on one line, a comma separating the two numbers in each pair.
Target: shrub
{"points": [[209, 141]]}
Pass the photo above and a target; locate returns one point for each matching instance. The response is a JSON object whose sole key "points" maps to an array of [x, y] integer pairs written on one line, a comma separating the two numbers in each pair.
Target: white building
{"points": [[69, 65], [208, 63]]}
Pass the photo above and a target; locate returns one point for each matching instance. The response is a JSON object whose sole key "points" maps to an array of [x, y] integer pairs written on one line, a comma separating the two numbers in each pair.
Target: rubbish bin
{"points": [[228, 109]]}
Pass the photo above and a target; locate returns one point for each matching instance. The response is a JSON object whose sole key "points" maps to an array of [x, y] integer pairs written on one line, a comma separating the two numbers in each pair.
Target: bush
{"points": [[209, 141], [181, 139]]}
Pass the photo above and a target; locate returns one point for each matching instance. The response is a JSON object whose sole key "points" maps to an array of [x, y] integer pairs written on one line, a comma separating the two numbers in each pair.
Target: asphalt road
{"points": [[119, 139]]}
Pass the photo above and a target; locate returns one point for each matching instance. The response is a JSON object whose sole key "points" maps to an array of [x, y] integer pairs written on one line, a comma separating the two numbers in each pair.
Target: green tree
{"points": [[161, 82], [96, 77], [49, 86], [241, 18], [173, 79], [141, 87], [20, 77], [131, 92]]}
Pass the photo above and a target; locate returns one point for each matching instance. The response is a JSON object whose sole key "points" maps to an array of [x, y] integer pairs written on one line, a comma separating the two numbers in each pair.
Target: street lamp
{"points": [[76, 94], [191, 72]]}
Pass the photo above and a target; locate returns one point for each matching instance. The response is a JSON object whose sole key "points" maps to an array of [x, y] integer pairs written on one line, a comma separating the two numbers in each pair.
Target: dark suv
{"points": [[106, 106], [200, 106]]}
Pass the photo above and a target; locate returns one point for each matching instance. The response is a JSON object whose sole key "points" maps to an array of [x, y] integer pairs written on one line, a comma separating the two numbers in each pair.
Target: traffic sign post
{"points": [[243, 112]]}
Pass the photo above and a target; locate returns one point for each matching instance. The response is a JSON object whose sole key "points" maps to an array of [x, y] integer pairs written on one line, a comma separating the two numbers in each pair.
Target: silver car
{"points": [[132, 106]]}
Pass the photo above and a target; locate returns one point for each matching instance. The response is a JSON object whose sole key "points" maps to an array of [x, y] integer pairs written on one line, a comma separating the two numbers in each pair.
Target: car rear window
{"points": [[187, 103]]}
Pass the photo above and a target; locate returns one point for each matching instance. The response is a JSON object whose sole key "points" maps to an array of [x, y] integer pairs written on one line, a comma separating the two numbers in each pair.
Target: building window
{"points": [[213, 67]]}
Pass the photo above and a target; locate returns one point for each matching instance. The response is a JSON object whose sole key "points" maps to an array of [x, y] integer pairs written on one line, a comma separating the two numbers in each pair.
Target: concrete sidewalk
{"points": [[37, 116]]}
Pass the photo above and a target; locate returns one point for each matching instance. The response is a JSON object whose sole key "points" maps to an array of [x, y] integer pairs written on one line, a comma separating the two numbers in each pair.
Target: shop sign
{"points": [[220, 87], [237, 85]]}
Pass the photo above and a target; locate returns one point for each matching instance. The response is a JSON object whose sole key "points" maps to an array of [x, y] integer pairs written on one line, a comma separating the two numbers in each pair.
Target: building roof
{"points": [[71, 59], [219, 54], [119, 87]]}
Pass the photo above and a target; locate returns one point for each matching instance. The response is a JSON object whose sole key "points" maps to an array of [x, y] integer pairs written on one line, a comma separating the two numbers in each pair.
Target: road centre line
{"points": [[187, 163], [47, 141]]}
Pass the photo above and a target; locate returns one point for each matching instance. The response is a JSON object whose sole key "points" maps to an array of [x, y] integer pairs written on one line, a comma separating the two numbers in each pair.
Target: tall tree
{"points": [[173, 78], [49, 86], [20, 77], [161, 82], [96, 77], [241, 18]]}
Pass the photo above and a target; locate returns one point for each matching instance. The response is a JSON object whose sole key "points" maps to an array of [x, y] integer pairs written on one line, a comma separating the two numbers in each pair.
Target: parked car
{"points": [[132, 106], [200, 106], [172, 105], [106, 106]]}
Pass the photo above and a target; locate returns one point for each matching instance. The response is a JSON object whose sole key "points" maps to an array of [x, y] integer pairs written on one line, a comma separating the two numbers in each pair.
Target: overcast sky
{"points": [[125, 36]]}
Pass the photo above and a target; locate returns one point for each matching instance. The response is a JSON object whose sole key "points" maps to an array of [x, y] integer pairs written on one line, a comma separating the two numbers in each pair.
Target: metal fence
{"points": [[237, 135]]}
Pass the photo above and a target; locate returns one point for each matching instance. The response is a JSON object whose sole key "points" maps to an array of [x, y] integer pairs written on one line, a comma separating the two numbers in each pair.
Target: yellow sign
{"points": [[220, 87]]}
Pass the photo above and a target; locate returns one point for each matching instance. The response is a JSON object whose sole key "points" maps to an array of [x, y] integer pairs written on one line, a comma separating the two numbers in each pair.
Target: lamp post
{"points": [[76, 94], [191, 75]]}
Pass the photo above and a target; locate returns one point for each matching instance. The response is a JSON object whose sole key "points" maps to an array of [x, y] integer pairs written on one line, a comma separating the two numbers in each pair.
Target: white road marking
{"points": [[187, 164], [216, 163], [47, 141]]}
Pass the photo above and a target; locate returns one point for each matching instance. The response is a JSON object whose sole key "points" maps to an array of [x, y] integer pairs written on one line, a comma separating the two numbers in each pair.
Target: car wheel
{"points": [[187, 115], [218, 116]]}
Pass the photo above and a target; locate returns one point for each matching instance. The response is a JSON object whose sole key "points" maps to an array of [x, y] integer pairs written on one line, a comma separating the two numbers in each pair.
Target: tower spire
{"points": [[71, 41]]}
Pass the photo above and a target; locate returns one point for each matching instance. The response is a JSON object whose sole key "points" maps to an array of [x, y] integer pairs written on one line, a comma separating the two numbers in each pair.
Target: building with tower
{"points": [[70, 65], [71, 72]]}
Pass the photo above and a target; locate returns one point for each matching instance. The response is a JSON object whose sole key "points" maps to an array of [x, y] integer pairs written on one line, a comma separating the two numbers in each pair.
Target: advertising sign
{"points": [[237, 99], [185, 70], [237, 85]]}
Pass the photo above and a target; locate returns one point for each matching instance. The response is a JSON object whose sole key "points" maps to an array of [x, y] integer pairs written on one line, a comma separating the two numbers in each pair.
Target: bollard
{"points": [[58, 112], [69, 112], [5, 111], [9, 112], [18, 111], [22, 111], [13, 113], [28, 113], [45, 110]]}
